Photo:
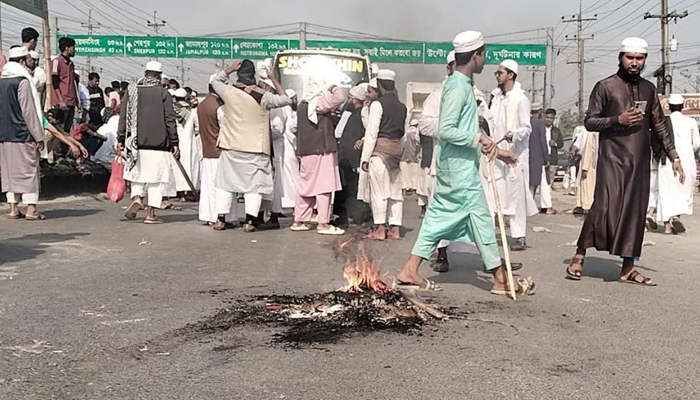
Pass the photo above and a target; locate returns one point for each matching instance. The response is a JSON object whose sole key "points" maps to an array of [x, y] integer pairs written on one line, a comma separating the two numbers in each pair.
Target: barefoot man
{"points": [[624, 108], [459, 211]]}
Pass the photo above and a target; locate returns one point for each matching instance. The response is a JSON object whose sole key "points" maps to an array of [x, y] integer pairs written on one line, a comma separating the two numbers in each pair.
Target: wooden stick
{"points": [[419, 303], [187, 178], [502, 226]]}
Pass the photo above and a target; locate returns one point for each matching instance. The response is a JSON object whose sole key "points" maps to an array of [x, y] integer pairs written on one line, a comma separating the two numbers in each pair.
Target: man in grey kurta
{"points": [[21, 136]]}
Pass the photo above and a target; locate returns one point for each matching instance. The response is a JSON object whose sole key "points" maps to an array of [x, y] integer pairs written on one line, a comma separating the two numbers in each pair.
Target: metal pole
{"points": [[0, 28], [534, 87], [302, 35], [581, 60], [47, 51], [664, 47]]}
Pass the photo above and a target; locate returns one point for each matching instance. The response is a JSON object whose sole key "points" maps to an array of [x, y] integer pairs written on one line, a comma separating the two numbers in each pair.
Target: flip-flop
{"points": [[300, 228], [651, 223], [632, 279], [38, 217], [526, 287], [172, 207], [156, 221], [571, 275], [17, 216], [677, 225], [426, 286], [333, 231], [132, 211]]}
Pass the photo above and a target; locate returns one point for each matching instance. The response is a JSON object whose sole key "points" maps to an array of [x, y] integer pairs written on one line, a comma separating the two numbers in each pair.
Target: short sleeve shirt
{"points": [[64, 69]]}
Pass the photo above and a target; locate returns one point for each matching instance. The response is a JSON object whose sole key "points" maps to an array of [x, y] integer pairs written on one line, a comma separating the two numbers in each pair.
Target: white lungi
{"points": [[385, 191]]}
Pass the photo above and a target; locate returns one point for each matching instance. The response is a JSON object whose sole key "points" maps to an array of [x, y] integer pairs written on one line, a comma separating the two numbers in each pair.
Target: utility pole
{"points": [[302, 35], [551, 61], [90, 26], [665, 78], [182, 71], [155, 24], [580, 39]]}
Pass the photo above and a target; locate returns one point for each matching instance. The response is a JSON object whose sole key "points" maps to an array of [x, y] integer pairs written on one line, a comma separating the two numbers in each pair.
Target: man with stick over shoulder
{"points": [[459, 211]]}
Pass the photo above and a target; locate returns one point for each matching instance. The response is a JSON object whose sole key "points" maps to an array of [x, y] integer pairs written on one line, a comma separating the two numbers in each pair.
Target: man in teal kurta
{"points": [[459, 211]]}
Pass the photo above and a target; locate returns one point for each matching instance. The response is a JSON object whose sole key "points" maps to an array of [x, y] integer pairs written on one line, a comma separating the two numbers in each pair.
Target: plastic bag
{"points": [[117, 186]]}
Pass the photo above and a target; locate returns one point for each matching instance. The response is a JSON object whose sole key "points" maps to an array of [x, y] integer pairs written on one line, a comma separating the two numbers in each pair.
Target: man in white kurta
{"points": [[510, 110], [676, 198], [190, 144], [381, 158], [409, 160]]}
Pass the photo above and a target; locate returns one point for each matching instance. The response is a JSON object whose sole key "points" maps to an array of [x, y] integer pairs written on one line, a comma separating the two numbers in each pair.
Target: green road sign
{"points": [[150, 46], [381, 52], [34, 7], [99, 45], [258, 48], [436, 53], [203, 48], [523, 54]]}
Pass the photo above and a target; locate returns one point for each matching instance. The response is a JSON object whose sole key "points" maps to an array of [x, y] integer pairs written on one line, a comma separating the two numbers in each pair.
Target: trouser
{"points": [[154, 192], [92, 144], [304, 208], [207, 199], [545, 191], [30, 199], [346, 205], [387, 211], [224, 202], [68, 116], [518, 225], [653, 188]]}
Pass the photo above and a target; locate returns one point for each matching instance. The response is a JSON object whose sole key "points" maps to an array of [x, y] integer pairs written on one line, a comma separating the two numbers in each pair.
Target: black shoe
{"points": [[441, 265], [519, 245], [270, 225], [578, 211]]}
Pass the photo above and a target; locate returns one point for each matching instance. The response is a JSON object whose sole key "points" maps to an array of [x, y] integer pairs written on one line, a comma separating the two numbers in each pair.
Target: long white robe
{"points": [[511, 113], [428, 126], [190, 146], [676, 198], [286, 180]]}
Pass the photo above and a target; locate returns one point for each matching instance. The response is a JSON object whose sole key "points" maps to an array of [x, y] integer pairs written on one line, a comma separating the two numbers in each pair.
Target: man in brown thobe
{"points": [[21, 135], [624, 108]]}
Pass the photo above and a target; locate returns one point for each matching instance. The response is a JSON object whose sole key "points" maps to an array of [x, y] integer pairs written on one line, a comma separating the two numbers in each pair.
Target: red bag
{"points": [[117, 186]]}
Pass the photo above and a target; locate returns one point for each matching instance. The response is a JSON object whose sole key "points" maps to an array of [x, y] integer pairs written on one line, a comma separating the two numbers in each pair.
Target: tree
{"points": [[568, 121]]}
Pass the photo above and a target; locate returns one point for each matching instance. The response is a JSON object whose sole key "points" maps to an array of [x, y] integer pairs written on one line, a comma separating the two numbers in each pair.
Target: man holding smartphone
{"points": [[624, 108]]}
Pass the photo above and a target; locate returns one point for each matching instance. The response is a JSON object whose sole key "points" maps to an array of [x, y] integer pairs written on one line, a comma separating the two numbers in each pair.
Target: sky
{"points": [[418, 20]]}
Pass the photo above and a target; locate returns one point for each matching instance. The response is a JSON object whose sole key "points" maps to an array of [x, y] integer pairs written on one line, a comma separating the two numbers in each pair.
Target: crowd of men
{"points": [[469, 157]]}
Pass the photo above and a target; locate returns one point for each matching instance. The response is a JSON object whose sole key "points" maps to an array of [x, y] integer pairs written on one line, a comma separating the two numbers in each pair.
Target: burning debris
{"points": [[364, 305]]}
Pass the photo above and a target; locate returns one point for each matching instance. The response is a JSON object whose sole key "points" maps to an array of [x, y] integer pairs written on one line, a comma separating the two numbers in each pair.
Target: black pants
{"points": [[346, 205], [68, 116]]}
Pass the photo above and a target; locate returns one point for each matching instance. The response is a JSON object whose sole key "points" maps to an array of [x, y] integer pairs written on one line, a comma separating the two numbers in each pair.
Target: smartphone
{"points": [[640, 105]]}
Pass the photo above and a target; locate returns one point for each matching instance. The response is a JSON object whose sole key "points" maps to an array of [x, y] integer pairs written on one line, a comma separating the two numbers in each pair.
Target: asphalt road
{"points": [[90, 305]]}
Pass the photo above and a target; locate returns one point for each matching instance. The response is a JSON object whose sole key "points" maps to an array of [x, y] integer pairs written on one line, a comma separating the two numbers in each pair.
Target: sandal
{"points": [[16, 216], [426, 286], [575, 260], [172, 207], [38, 217], [677, 225], [156, 221], [301, 228], [651, 223], [526, 287], [132, 211], [637, 279], [332, 230]]}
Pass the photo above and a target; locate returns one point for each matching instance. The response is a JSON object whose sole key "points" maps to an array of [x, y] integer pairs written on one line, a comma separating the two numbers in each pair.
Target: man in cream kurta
{"points": [[244, 139], [381, 158], [510, 110], [676, 198]]}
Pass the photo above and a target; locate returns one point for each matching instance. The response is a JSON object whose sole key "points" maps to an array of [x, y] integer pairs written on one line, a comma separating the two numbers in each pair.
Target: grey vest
{"points": [[13, 127]]}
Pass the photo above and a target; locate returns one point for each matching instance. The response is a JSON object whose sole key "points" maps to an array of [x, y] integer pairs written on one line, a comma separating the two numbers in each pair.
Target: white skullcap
{"points": [[268, 82], [511, 66], [676, 99], [195, 94], [18, 52], [364, 85], [180, 93], [290, 93], [468, 41], [35, 55], [386, 75], [373, 83], [451, 57], [167, 77], [154, 66], [172, 92], [358, 92], [536, 107], [414, 122], [634, 45]]}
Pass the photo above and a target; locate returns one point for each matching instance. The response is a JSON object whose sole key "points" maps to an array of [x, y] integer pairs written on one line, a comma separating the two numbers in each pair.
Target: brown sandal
{"points": [[638, 279], [575, 260]]}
